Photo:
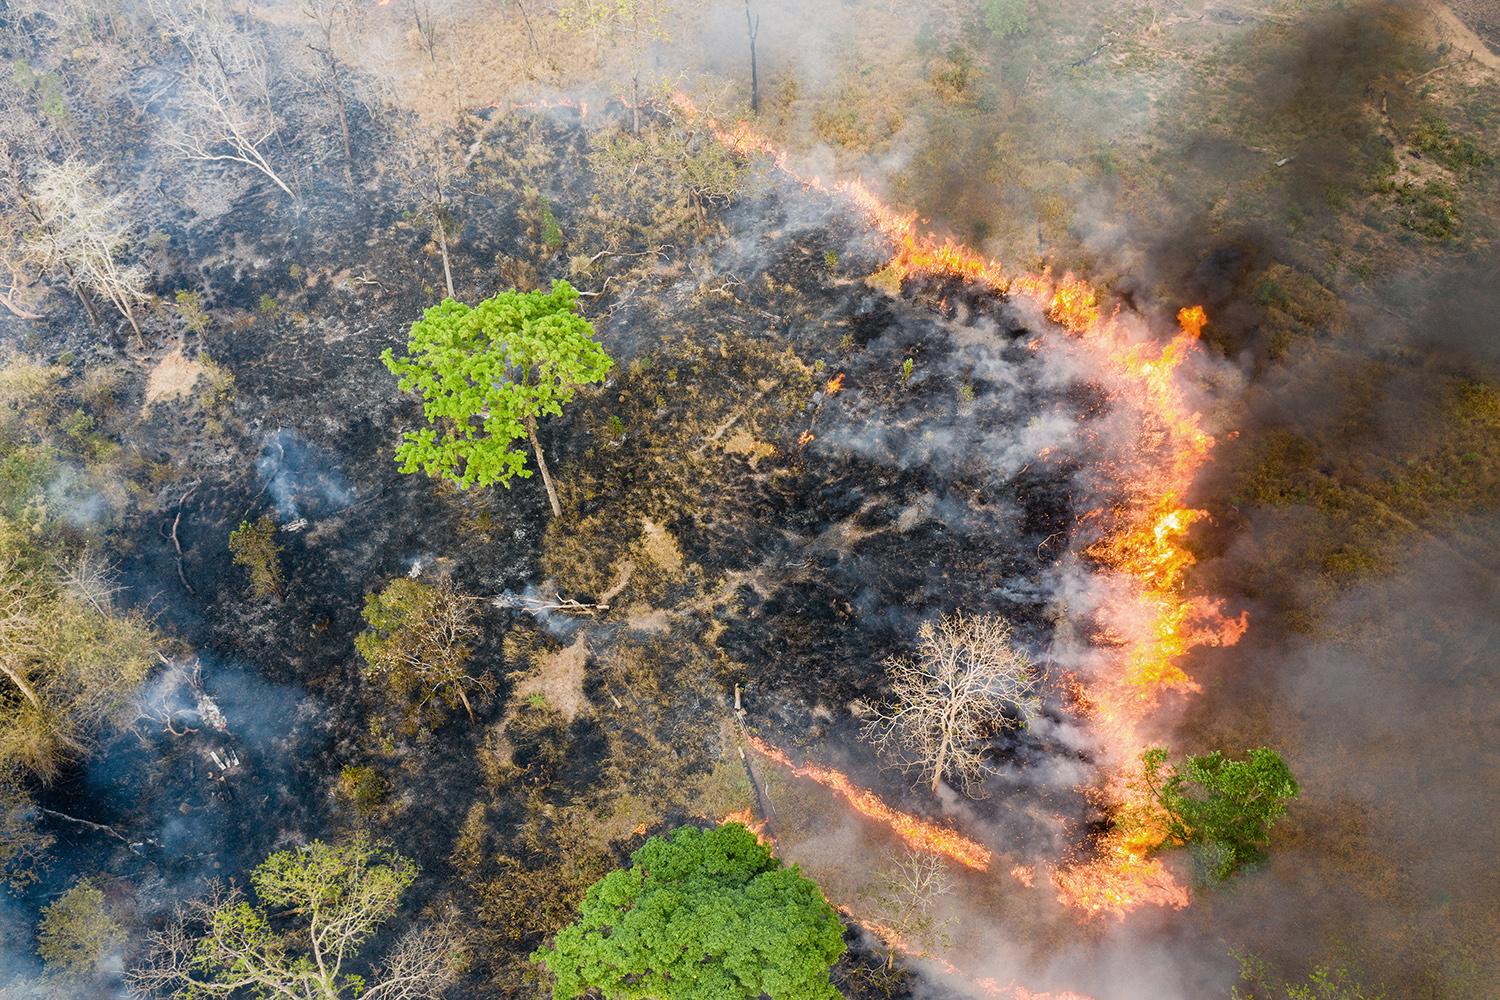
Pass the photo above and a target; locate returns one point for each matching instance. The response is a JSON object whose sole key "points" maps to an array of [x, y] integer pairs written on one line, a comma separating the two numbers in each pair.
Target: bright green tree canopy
{"points": [[1224, 807], [704, 915], [484, 372]]}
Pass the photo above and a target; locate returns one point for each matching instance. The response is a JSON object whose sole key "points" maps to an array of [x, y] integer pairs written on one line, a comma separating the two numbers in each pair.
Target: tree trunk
{"points": [[752, 26], [939, 765], [20, 682], [442, 235], [338, 92], [93, 317], [465, 699], [130, 318], [541, 463], [535, 50], [635, 103]]}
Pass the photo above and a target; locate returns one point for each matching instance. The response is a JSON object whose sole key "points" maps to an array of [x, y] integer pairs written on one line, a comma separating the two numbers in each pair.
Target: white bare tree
{"points": [[330, 20], [84, 233], [903, 902], [223, 111], [26, 139], [425, 155], [968, 680]]}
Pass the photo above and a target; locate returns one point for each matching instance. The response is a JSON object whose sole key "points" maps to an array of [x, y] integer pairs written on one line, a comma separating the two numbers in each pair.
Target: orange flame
{"points": [[746, 818], [835, 385], [915, 832], [1144, 544]]}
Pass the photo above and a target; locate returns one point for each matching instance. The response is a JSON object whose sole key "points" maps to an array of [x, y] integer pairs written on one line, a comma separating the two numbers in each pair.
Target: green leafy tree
{"points": [[1324, 982], [485, 374], [702, 915], [77, 933], [316, 908], [1005, 18], [70, 660], [253, 546], [1225, 808], [419, 643]]}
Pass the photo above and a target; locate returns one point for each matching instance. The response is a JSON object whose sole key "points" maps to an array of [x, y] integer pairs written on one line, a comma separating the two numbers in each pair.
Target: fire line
{"points": [[1143, 544], [915, 832]]}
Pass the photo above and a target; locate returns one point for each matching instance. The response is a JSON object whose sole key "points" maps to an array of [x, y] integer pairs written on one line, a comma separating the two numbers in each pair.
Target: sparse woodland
{"points": [[793, 671]]}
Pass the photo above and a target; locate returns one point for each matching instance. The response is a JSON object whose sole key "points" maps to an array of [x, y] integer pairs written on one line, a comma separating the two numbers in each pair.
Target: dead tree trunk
{"points": [[336, 84], [20, 682], [535, 49], [752, 27], [442, 235], [541, 463], [88, 306]]}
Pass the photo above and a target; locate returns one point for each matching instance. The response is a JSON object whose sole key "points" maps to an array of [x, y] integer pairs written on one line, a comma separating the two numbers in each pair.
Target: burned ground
{"points": [[786, 473]]}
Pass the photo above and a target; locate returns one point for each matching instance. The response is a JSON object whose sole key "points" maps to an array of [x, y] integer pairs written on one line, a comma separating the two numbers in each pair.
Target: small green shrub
{"points": [[190, 305], [363, 788], [254, 547], [1005, 18], [1434, 138]]}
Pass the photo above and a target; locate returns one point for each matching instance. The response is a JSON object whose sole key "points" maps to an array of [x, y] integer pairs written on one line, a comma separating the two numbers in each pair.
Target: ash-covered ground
{"points": [[787, 472]]}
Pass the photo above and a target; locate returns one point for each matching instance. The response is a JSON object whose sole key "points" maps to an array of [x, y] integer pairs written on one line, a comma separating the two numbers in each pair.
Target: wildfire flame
{"points": [[746, 818], [1144, 543], [835, 385], [915, 832], [986, 985]]}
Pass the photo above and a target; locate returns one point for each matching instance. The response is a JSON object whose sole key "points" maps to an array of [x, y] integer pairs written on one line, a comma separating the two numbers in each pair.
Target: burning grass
{"points": [[1152, 621]]}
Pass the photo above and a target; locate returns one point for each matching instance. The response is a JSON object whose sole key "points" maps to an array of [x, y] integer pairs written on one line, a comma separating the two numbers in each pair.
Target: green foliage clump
{"points": [[77, 933], [46, 87], [552, 234], [363, 787], [1324, 982], [1224, 808], [485, 373], [254, 547], [700, 914], [418, 645], [190, 305], [1429, 209], [1005, 18], [1433, 137], [316, 907], [658, 183]]}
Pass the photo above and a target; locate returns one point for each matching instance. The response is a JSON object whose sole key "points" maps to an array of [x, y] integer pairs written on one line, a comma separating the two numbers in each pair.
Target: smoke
{"points": [[1388, 716], [301, 479]]}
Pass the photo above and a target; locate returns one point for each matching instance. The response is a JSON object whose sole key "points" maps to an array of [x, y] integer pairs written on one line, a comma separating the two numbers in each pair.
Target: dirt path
{"points": [[1471, 26]]}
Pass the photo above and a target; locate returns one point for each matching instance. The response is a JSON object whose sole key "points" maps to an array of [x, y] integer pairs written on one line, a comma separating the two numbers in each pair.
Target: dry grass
{"points": [[174, 377]]}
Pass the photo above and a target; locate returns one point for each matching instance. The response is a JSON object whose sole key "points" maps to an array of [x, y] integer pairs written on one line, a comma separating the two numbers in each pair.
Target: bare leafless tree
{"points": [[425, 19], [640, 24], [329, 18], [968, 681], [903, 902], [84, 233], [427, 159], [224, 112]]}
